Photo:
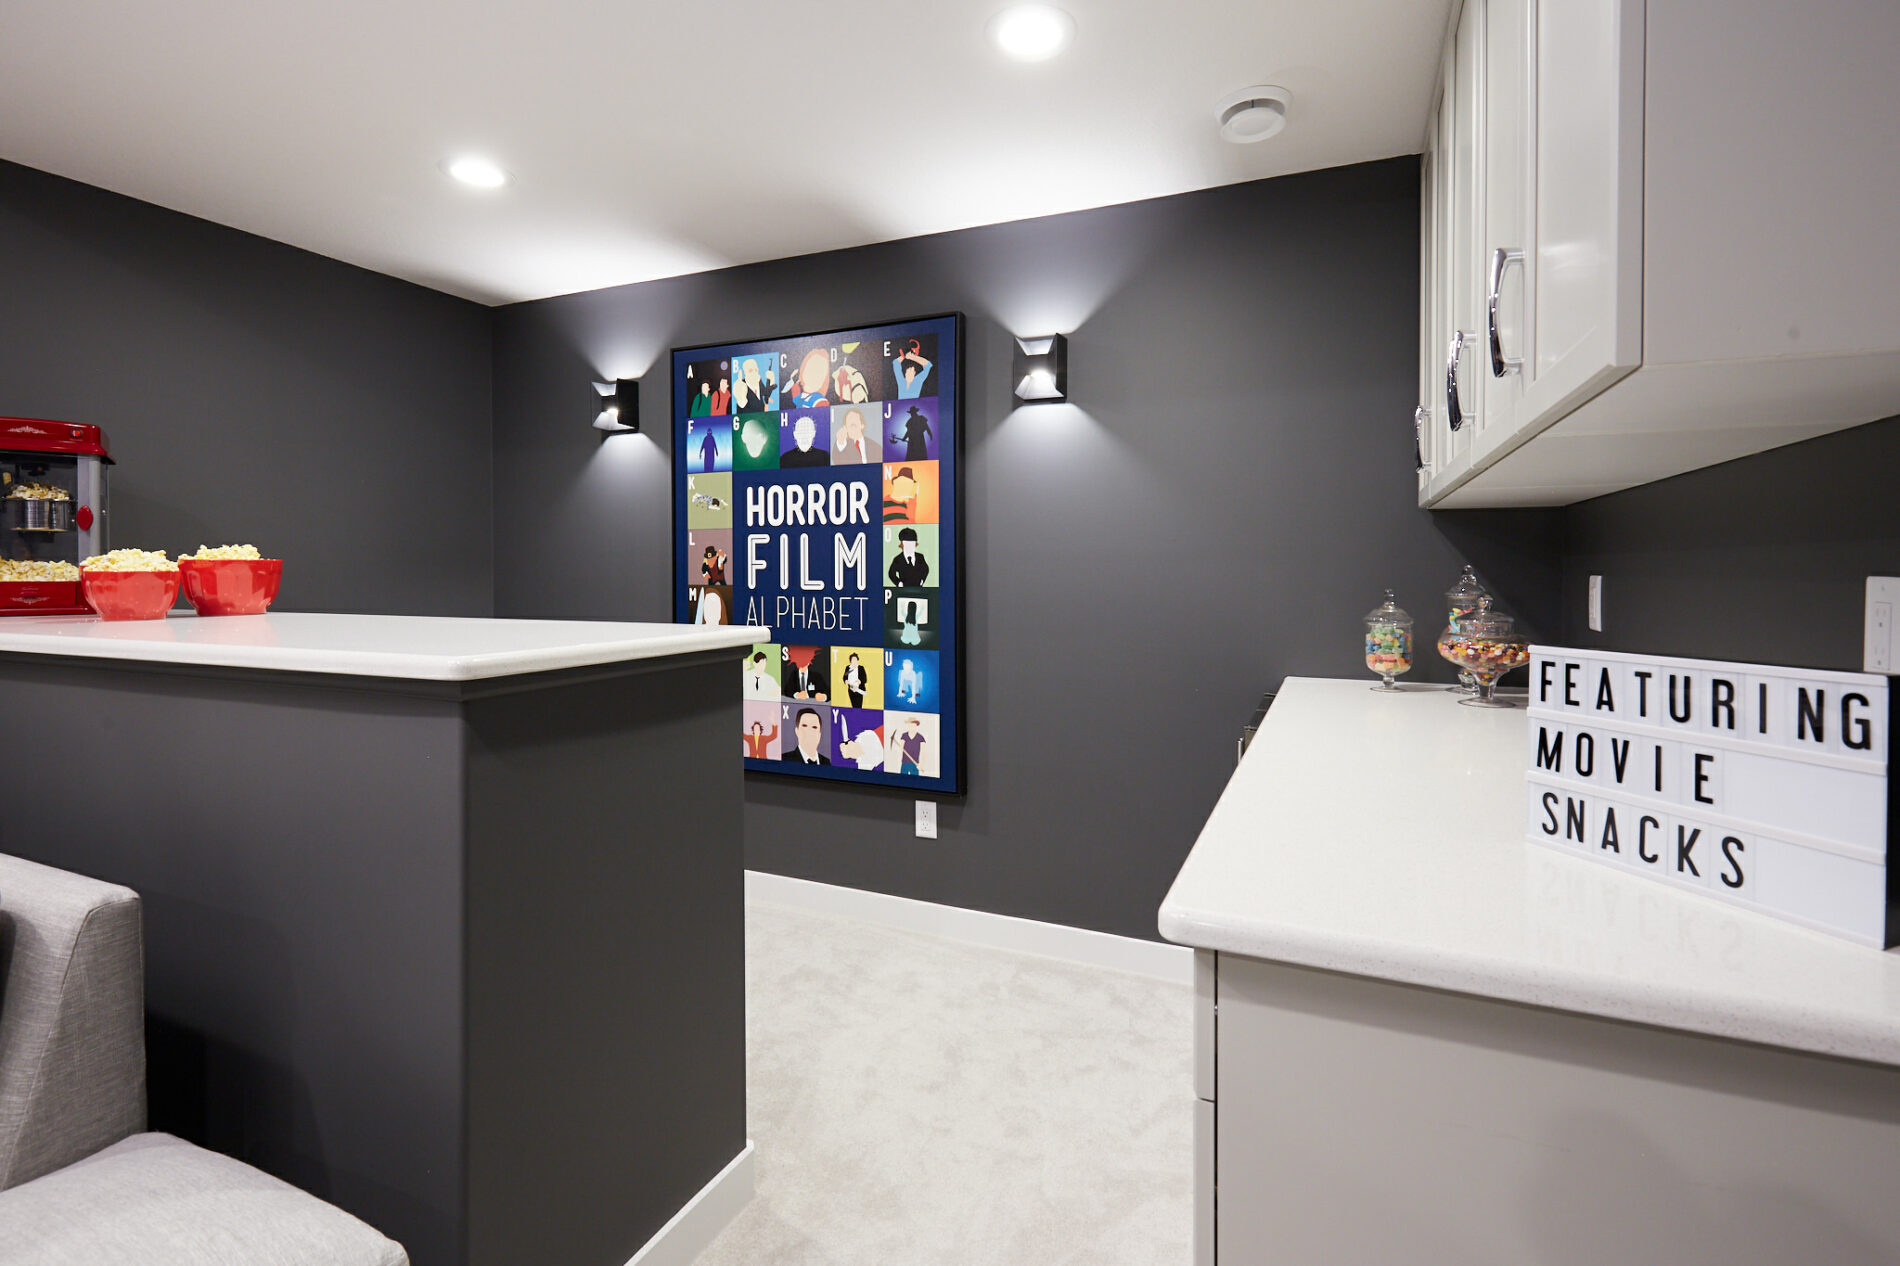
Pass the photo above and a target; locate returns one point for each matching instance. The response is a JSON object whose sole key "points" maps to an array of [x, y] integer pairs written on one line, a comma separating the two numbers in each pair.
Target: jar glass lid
{"points": [[1388, 612], [1467, 591]]}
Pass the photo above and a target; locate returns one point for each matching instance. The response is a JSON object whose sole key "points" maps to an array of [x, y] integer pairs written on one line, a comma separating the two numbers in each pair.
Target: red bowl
{"points": [[129, 595], [231, 586]]}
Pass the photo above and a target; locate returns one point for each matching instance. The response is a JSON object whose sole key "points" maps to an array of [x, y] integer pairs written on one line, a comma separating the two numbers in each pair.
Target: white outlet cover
{"points": [[1883, 599], [1596, 604], [926, 819]]}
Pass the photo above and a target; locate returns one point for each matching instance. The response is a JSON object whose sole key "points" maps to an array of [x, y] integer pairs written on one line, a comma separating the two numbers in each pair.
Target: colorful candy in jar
{"points": [[1488, 655], [1389, 649], [1451, 644]]}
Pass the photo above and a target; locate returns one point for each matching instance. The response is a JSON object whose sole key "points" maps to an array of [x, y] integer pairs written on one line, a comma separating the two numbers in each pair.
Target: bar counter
{"points": [[443, 917]]}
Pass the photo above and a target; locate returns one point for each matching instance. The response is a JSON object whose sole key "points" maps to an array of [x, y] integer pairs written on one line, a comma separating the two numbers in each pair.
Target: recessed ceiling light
{"points": [[476, 171], [1253, 114], [1032, 32]]}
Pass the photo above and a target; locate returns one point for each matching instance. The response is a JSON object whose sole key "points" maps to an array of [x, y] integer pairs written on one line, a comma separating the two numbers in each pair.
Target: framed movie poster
{"points": [[816, 491]]}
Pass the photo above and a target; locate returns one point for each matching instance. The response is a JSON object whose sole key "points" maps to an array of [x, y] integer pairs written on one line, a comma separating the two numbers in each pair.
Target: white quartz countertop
{"points": [[424, 648], [1383, 835]]}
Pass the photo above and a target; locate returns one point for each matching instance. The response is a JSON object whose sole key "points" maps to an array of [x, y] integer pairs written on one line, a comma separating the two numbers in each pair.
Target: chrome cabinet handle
{"points": [[1454, 416], [1418, 437], [1500, 364]]}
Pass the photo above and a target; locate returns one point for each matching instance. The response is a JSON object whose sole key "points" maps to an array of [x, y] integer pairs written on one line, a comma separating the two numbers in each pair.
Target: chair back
{"points": [[72, 1018]]}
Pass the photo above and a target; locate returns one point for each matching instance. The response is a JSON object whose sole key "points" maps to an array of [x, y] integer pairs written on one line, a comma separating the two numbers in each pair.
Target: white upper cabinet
{"points": [[1667, 245]]}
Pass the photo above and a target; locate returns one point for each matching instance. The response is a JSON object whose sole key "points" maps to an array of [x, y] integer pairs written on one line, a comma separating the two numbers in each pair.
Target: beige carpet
{"points": [[919, 1101]]}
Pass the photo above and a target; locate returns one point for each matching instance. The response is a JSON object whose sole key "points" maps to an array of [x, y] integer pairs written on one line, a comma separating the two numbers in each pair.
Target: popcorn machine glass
{"points": [[52, 513]]}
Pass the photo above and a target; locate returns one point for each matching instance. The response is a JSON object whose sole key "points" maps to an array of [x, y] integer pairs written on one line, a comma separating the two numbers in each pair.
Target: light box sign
{"points": [[1762, 786], [817, 492]]}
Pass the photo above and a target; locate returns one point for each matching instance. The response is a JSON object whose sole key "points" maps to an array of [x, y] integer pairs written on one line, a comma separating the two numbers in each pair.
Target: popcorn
{"points": [[207, 554], [16, 571], [129, 560], [38, 492]]}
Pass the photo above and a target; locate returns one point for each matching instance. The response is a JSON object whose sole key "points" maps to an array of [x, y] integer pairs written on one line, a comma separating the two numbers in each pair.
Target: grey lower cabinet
{"points": [[1348, 1121]]}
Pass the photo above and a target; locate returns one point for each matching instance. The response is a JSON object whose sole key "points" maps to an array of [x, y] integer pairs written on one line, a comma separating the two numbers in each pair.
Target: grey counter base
{"points": [[1359, 1121], [466, 960]]}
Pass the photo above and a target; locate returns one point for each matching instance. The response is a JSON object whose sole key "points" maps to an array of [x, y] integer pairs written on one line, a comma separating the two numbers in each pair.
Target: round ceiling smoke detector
{"points": [[1253, 114]]}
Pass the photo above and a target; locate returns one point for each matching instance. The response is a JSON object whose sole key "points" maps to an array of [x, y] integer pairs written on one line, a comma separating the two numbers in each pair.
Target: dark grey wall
{"points": [[1764, 559], [1230, 491], [255, 392]]}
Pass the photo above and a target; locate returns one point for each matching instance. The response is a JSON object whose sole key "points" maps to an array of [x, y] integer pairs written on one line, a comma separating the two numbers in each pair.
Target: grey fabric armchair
{"points": [[80, 1185]]}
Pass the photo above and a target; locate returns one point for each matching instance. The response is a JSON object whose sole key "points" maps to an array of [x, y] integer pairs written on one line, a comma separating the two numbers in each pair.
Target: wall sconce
{"points": [[1041, 369], [618, 409]]}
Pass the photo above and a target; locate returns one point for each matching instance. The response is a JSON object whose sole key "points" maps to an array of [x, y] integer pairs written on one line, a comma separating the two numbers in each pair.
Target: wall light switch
{"points": [[1883, 598], [926, 819], [1596, 604]]}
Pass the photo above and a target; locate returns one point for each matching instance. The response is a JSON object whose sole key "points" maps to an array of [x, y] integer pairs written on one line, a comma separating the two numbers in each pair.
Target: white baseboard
{"points": [[701, 1219], [978, 927]]}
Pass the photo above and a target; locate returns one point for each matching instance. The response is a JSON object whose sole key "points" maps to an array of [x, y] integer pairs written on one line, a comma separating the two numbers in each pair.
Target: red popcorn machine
{"points": [[52, 513]]}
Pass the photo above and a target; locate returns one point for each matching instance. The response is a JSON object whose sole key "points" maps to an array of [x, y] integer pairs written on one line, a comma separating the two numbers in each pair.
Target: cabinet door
{"points": [[1366, 1123], [1464, 90], [1585, 248], [1428, 287], [1507, 167]]}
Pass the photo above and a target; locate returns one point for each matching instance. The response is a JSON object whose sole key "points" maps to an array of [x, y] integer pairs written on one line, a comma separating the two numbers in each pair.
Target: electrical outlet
{"points": [[926, 819], [1883, 598], [1596, 604]]}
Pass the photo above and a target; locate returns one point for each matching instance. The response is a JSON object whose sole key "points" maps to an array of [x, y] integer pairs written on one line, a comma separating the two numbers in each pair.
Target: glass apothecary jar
{"points": [[1388, 642], [1487, 645], [1461, 602]]}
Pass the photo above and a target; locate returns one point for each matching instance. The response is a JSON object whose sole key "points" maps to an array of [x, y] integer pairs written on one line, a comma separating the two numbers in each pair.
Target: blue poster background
{"points": [[809, 557], [812, 583]]}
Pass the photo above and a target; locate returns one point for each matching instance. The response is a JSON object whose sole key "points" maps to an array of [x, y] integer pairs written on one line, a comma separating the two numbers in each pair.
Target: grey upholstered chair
{"points": [[80, 1185]]}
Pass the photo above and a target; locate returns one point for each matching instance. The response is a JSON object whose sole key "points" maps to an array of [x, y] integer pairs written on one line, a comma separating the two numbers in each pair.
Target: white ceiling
{"points": [[648, 140]]}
